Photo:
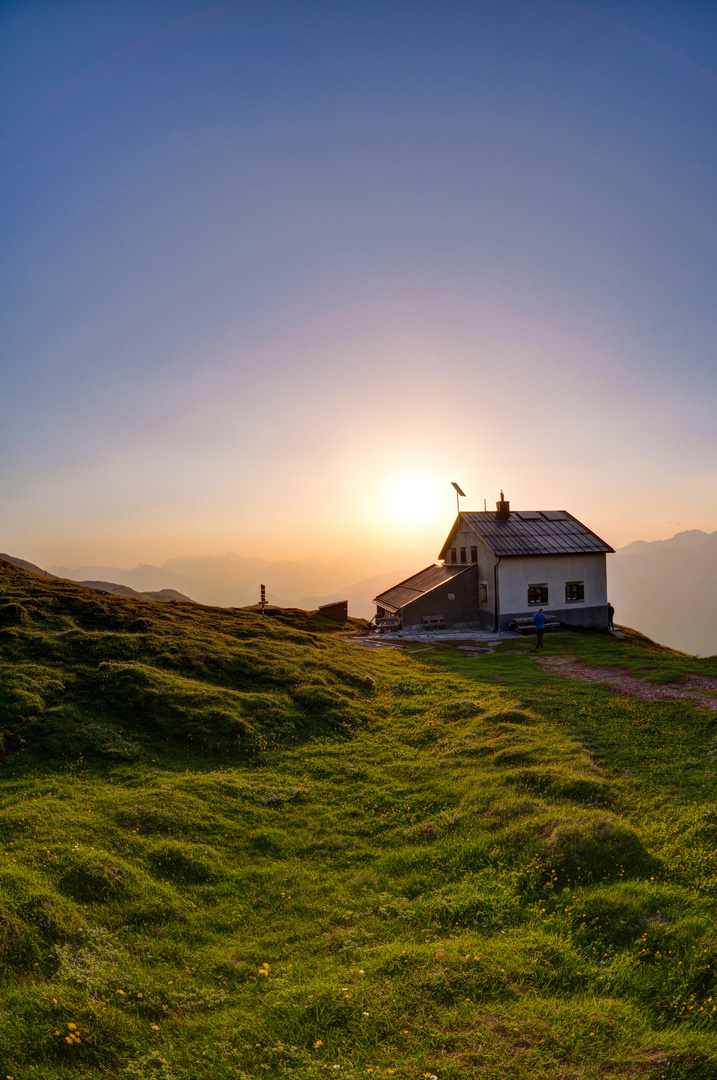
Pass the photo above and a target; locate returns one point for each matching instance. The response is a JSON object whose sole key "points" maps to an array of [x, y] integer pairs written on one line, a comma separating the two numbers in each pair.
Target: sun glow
{"points": [[412, 498]]}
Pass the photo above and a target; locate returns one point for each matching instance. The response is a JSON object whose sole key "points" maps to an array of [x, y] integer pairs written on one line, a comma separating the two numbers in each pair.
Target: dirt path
{"points": [[631, 686]]}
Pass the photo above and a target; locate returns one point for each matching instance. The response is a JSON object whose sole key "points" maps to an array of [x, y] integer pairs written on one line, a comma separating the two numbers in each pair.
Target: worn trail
{"points": [[699, 688]]}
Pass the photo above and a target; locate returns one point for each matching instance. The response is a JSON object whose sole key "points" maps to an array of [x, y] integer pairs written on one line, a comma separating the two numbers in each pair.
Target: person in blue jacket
{"points": [[540, 619]]}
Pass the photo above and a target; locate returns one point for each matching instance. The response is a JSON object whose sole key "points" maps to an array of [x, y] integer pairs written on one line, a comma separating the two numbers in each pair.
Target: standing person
{"points": [[540, 619], [610, 613]]}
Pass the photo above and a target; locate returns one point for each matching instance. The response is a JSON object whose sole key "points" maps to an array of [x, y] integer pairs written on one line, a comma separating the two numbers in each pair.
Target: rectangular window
{"points": [[474, 554], [483, 593], [463, 555], [574, 592], [453, 555], [537, 595]]}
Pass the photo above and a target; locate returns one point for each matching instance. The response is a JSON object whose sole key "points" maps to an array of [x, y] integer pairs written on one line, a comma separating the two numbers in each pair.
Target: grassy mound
{"points": [[89, 674], [235, 848]]}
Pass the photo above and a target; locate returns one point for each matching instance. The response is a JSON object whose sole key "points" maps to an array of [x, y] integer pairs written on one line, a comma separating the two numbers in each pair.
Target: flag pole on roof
{"points": [[459, 493]]}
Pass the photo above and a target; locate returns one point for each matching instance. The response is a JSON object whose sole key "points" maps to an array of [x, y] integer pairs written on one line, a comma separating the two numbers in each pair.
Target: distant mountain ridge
{"points": [[231, 580], [689, 540], [668, 590], [159, 596]]}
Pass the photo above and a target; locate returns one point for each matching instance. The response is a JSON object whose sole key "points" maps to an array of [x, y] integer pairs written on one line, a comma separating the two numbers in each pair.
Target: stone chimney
{"points": [[503, 508]]}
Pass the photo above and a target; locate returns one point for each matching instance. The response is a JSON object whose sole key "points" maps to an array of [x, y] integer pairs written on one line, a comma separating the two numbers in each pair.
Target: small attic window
{"points": [[463, 555], [474, 554], [454, 555]]}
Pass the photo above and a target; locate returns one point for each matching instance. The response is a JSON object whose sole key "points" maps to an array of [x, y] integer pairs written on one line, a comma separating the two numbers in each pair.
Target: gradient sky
{"points": [[275, 273]]}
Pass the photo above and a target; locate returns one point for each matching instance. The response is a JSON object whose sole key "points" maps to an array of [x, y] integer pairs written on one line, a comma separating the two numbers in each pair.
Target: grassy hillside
{"points": [[233, 849]]}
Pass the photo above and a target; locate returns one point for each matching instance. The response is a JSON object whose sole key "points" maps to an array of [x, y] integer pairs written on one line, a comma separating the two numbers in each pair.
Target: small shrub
{"points": [[597, 848], [463, 708], [93, 877], [34, 917], [106, 742], [559, 783], [510, 716], [13, 615], [26, 691], [268, 842], [423, 831], [514, 756], [181, 862], [405, 686]]}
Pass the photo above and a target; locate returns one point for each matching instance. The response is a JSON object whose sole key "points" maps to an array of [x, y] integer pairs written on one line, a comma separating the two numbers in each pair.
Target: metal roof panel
{"points": [[399, 595], [553, 532]]}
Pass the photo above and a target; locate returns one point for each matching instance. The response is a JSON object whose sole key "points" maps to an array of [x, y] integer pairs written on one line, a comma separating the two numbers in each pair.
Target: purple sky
{"points": [[275, 273]]}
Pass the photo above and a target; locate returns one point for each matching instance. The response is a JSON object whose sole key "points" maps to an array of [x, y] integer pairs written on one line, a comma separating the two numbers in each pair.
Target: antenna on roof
{"points": [[459, 493]]}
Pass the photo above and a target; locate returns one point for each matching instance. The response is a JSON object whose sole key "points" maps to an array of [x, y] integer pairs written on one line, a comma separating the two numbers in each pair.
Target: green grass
{"points": [[233, 849]]}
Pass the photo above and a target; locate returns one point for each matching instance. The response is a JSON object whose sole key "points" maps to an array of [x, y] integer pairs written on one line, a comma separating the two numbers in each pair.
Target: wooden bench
{"points": [[434, 622], [387, 623], [527, 626]]}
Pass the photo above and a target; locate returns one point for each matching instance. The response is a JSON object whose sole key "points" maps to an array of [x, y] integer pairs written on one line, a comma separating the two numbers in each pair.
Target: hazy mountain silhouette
{"points": [[233, 580], [161, 595], [667, 589]]}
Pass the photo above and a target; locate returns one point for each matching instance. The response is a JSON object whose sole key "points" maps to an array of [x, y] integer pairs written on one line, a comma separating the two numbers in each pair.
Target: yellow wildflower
{"points": [[72, 1027], [317, 1044], [265, 966], [69, 1040], [120, 992], [155, 1027]]}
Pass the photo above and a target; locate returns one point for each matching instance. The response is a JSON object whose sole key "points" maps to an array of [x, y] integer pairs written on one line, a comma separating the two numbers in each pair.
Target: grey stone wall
{"points": [[463, 609], [590, 618]]}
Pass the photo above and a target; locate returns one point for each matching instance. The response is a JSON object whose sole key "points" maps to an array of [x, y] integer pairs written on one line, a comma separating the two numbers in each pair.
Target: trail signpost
{"points": [[262, 600]]}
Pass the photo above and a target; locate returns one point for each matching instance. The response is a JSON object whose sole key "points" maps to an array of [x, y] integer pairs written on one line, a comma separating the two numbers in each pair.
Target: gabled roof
{"points": [[530, 532], [399, 595]]}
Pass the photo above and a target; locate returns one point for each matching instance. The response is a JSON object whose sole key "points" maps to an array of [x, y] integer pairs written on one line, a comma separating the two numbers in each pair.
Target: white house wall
{"points": [[516, 573]]}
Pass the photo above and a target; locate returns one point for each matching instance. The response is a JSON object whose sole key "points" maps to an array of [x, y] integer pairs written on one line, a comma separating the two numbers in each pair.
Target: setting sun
{"points": [[413, 498]]}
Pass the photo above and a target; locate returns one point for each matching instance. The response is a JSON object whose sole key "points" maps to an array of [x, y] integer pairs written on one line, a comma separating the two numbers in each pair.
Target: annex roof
{"points": [[530, 532], [399, 595]]}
